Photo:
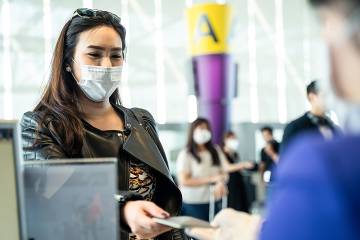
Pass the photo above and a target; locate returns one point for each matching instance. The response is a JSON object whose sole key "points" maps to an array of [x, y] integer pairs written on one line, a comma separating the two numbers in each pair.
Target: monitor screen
{"points": [[65, 199], [9, 215]]}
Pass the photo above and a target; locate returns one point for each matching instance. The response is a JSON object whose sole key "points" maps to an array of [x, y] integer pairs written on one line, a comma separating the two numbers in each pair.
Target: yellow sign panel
{"points": [[209, 27]]}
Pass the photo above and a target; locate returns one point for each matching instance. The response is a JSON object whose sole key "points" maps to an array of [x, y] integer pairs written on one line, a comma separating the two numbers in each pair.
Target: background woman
{"points": [[200, 165], [237, 198]]}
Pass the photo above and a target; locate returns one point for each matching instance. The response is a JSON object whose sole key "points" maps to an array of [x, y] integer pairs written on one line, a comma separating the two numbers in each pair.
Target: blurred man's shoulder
{"points": [[303, 119], [311, 151]]}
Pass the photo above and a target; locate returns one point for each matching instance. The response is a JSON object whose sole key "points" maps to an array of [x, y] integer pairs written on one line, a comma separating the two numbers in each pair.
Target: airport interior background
{"points": [[275, 44]]}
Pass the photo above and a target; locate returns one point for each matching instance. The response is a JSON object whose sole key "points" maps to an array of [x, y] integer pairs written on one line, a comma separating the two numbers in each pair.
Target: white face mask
{"points": [[99, 83], [232, 144], [201, 136]]}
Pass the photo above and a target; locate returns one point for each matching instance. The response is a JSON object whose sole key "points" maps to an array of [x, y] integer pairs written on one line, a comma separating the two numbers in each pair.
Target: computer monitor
{"points": [[55, 199], [11, 214], [71, 199]]}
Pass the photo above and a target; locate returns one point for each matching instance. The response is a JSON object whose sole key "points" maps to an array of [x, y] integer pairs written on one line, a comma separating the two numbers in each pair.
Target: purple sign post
{"points": [[214, 68]]}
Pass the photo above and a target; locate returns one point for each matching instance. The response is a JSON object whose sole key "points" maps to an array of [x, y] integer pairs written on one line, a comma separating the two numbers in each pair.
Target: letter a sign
{"points": [[204, 29], [208, 28]]}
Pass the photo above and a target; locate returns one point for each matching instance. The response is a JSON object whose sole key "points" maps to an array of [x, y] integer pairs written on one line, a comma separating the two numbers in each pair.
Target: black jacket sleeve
{"points": [[39, 141]]}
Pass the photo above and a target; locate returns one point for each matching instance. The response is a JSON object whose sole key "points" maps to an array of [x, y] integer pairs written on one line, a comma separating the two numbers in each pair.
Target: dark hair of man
{"points": [[191, 145], [60, 99], [313, 87], [267, 129]]}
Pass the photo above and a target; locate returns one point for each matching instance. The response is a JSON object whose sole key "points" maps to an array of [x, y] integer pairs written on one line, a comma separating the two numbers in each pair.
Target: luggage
{"points": [[212, 202]]}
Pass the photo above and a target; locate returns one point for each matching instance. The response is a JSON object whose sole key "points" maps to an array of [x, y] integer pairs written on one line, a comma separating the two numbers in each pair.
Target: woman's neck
{"points": [[94, 110], [201, 148]]}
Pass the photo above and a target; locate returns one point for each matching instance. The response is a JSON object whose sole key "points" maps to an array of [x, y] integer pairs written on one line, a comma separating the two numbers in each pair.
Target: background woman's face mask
{"points": [[201, 136], [232, 144], [99, 83]]}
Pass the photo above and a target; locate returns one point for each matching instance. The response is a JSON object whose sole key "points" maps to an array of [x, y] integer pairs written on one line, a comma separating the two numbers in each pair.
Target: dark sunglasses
{"points": [[93, 13]]}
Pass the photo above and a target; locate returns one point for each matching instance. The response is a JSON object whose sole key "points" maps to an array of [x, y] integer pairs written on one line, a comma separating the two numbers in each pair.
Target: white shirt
{"points": [[187, 163]]}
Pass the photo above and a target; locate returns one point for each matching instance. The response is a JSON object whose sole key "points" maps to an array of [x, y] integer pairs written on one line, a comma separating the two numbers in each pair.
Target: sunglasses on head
{"points": [[93, 13]]}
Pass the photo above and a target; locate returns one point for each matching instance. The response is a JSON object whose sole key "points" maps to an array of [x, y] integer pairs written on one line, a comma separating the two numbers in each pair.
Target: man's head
{"points": [[267, 133], [316, 98], [341, 31]]}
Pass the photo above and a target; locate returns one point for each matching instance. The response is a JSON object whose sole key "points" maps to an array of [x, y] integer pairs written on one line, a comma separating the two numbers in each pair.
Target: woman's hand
{"points": [[248, 165], [231, 225], [202, 233], [219, 178], [138, 215], [220, 190], [236, 225]]}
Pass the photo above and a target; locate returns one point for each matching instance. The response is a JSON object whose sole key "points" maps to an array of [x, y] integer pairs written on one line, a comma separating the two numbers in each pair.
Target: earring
{"points": [[68, 68]]}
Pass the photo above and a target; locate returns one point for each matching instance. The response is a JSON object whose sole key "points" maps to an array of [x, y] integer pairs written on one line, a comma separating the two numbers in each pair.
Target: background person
{"points": [[237, 197], [200, 165], [313, 121]]}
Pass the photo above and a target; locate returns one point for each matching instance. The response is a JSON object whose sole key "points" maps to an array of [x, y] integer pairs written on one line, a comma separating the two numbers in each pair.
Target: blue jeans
{"points": [[200, 211]]}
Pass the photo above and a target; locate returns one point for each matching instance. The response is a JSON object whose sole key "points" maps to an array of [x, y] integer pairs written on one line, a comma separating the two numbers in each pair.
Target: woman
{"points": [[200, 165], [237, 198], [80, 116]]}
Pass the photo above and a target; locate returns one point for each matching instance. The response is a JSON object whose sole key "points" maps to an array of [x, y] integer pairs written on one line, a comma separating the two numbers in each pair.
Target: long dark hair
{"points": [[59, 104], [191, 146]]}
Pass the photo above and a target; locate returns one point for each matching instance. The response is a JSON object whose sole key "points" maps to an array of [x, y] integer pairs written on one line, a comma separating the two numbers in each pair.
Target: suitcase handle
{"points": [[224, 202]]}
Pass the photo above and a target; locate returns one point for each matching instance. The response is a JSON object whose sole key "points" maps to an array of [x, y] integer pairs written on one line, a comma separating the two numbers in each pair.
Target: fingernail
{"points": [[165, 214]]}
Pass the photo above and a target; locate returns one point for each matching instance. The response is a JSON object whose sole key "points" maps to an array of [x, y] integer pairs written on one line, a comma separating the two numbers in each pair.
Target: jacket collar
{"points": [[141, 145]]}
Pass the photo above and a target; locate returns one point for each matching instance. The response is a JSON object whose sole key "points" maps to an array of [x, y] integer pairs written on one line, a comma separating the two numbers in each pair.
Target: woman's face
{"points": [[201, 134], [202, 126], [344, 55], [231, 143], [100, 46]]}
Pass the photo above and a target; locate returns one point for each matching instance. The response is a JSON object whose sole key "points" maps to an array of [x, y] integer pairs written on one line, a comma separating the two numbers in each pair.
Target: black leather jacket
{"points": [[142, 143]]}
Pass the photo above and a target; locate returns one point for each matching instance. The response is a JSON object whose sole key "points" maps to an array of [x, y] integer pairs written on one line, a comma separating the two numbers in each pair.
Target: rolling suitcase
{"points": [[212, 203]]}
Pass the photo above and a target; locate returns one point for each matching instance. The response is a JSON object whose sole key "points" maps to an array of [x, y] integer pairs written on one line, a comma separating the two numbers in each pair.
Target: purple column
{"points": [[215, 83]]}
